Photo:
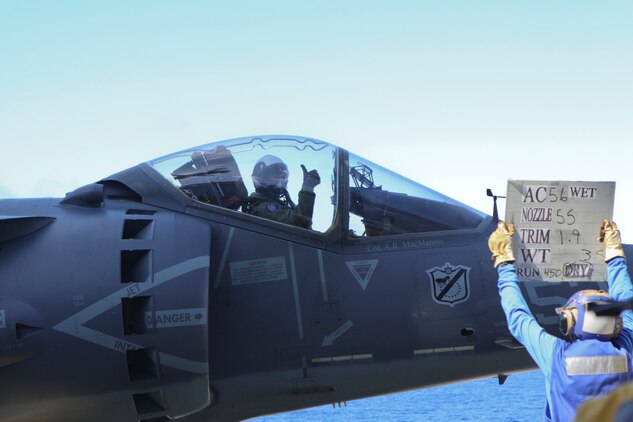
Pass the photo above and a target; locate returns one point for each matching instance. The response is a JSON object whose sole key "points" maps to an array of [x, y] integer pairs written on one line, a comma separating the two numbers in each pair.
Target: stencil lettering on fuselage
{"points": [[362, 270], [258, 270], [75, 324], [176, 318], [450, 284]]}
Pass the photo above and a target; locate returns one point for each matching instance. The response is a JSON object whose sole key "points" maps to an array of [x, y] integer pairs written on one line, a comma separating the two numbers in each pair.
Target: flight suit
{"points": [[564, 390], [273, 208]]}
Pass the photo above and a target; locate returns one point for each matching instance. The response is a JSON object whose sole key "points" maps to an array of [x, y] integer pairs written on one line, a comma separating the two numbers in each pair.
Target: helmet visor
{"points": [[594, 324], [275, 176]]}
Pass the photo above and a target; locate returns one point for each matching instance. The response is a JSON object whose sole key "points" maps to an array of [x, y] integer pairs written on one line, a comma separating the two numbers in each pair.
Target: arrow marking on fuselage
{"points": [[74, 325], [329, 340]]}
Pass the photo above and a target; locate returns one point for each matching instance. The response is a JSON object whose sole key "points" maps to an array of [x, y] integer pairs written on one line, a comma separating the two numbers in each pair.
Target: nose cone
{"points": [[21, 332]]}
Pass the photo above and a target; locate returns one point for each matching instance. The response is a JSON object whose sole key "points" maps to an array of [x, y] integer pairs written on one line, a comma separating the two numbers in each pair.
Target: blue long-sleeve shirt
{"points": [[539, 344]]}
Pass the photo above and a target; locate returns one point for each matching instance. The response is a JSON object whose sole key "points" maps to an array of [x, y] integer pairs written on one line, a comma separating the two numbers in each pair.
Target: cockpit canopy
{"points": [[377, 201]]}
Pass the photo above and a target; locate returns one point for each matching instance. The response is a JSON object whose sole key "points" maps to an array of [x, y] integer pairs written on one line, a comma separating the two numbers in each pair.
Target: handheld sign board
{"points": [[557, 224]]}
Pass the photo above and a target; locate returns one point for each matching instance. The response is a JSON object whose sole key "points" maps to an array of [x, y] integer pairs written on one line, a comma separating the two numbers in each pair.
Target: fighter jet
{"points": [[156, 293]]}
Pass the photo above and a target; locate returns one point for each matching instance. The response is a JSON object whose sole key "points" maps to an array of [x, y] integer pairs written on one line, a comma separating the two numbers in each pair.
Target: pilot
{"points": [[271, 198], [596, 357]]}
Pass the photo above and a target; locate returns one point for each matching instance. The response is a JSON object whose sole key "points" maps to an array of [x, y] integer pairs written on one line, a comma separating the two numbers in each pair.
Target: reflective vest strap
{"points": [[596, 365]]}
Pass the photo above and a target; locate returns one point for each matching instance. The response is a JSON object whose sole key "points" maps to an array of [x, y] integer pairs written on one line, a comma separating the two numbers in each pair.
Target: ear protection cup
{"points": [[618, 325], [566, 322]]}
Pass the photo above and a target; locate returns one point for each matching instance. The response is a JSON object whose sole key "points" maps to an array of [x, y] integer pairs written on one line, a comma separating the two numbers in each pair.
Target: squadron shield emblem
{"points": [[450, 284]]}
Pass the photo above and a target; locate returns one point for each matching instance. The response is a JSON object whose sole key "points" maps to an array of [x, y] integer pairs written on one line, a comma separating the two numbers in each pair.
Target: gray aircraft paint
{"points": [[81, 274]]}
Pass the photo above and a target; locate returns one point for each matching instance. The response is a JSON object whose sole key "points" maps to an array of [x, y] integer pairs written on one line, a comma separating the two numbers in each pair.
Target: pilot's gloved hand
{"points": [[610, 236], [310, 179], [500, 243]]}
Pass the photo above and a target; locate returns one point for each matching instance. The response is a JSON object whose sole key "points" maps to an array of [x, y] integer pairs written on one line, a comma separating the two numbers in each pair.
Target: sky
{"points": [[457, 95]]}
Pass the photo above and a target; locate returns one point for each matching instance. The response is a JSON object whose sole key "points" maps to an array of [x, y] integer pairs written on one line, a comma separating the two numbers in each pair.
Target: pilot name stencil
{"points": [[450, 284], [258, 270], [556, 228], [176, 318], [397, 245]]}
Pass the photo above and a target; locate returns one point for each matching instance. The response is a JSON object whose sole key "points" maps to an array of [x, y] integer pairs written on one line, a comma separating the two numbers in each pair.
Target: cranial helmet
{"points": [[577, 321], [270, 174]]}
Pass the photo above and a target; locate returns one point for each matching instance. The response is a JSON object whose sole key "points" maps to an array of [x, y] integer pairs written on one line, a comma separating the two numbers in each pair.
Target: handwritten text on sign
{"points": [[557, 226]]}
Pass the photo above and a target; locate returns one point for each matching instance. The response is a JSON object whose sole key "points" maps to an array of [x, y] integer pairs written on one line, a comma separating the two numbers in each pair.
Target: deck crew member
{"points": [[597, 356]]}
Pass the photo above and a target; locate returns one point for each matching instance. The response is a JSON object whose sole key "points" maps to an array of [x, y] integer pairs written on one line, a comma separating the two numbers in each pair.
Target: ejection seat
{"points": [[213, 177]]}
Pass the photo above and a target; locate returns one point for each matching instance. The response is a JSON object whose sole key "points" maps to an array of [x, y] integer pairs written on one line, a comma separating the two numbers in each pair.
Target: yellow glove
{"points": [[500, 243], [610, 236]]}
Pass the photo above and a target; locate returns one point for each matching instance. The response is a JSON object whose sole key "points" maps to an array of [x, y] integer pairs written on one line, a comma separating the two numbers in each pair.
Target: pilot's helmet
{"points": [[578, 322], [270, 174]]}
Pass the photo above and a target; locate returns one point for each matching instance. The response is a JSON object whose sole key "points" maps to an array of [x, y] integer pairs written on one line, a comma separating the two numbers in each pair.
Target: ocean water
{"points": [[520, 399]]}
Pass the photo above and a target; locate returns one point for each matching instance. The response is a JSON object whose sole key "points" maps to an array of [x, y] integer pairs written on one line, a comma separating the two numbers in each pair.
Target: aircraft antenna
{"points": [[495, 212]]}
